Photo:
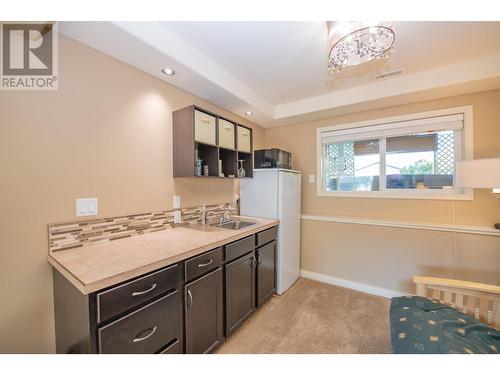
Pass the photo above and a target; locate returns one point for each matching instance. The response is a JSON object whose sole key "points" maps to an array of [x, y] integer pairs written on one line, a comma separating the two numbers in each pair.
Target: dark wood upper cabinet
{"points": [[201, 134], [204, 313]]}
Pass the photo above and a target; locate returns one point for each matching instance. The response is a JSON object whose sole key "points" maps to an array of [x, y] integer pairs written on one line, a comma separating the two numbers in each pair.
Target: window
{"points": [[411, 156]]}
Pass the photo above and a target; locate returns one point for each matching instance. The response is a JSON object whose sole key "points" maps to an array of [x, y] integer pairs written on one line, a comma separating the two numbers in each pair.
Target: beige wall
{"points": [[105, 133], [387, 257]]}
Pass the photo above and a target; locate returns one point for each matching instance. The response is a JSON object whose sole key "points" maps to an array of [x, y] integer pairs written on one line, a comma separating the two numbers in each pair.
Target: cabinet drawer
{"points": [[203, 263], [226, 134], [266, 236], [173, 348], [114, 301], [238, 248], [244, 139], [204, 127], [146, 330]]}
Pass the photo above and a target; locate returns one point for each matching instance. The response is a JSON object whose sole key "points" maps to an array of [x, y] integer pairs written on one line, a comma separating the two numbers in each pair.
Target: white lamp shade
{"points": [[480, 173]]}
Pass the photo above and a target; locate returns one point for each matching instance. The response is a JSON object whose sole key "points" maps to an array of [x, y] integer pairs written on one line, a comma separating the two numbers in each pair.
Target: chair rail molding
{"points": [[486, 231]]}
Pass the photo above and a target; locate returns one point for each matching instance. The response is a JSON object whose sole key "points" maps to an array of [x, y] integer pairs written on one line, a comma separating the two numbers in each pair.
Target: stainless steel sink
{"points": [[235, 224]]}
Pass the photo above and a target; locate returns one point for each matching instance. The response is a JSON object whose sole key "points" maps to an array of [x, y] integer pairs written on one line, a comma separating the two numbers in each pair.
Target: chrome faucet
{"points": [[226, 214], [204, 215]]}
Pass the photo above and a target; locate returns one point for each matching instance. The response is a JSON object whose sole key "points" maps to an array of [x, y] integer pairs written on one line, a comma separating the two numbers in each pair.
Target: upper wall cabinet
{"points": [[204, 142]]}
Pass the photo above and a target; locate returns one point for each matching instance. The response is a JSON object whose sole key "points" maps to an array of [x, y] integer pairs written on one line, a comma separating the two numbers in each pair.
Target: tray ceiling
{"points": [[277, 70]]}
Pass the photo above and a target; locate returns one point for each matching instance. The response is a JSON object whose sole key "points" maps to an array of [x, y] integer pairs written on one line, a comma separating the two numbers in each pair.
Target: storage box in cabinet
{"points": [[244, 142], [204, 128], [226, 134]]}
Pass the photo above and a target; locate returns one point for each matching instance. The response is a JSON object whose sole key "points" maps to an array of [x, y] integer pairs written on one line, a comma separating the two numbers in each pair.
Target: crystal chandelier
{"points": [[354, 43]]}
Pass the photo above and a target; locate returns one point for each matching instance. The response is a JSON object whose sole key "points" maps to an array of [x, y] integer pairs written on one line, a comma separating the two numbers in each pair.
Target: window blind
{"points": [[400, 128]]}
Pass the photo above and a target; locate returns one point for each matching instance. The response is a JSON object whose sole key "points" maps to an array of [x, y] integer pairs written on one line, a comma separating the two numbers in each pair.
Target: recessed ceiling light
{"points": [[168, 71], [248, 113]]}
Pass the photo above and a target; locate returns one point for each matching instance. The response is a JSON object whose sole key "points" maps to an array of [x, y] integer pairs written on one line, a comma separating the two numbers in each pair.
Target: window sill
{"points": [[467, 195]]}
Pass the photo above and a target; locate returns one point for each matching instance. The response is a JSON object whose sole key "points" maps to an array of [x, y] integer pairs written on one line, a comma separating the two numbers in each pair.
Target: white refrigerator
{"points": [[275, 194]]}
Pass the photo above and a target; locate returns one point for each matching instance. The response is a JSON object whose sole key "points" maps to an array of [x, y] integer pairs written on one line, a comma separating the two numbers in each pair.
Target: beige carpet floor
{"points": [[313, 317]]}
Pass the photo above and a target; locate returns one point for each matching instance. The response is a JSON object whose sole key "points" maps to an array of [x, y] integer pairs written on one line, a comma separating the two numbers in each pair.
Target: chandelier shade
{"points": [[354, 43]]}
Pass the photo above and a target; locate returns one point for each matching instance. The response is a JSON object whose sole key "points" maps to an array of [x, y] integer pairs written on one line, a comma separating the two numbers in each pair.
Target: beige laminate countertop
{"points": [[99, 266]]}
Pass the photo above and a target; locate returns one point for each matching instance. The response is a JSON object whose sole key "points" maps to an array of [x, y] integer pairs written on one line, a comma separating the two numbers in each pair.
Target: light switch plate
{"points": [[176, 201], [312, 178], [86, 207], [177, 217]]}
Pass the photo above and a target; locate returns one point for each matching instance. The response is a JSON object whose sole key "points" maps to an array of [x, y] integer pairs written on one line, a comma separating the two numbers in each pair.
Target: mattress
{"points": [[423, 326]]}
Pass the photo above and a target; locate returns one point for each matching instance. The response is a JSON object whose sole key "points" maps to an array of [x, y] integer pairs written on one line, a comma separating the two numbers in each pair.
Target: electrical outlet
{"points": [[177, 217], [176, 201], [312, 178], [86, 207]]}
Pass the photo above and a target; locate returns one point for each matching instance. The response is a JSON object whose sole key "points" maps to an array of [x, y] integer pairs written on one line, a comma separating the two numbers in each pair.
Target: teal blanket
{"points": [[420, 325]]}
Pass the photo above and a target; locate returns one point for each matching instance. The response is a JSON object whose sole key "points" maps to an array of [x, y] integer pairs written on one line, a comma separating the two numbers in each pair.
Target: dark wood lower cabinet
{"points": [[153, 325], [266, 272], [174, 348], [188, 307], [203, 306], [240, 291]]}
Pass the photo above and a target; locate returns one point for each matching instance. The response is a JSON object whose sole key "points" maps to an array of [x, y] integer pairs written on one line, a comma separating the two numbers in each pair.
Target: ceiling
{"points": [[277, 70]]}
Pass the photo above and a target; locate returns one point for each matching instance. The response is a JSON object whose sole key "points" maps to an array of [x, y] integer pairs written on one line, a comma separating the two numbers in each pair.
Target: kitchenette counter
{"points": [[94, 267]]}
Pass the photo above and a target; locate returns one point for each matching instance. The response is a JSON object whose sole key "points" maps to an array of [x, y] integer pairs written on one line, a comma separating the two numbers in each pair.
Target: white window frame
{"points": [[463, 151]]}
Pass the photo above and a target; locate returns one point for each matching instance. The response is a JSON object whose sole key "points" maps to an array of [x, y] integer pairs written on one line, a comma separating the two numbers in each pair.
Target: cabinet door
{"points": [[240, 291], [266, 272], [204, 313]]}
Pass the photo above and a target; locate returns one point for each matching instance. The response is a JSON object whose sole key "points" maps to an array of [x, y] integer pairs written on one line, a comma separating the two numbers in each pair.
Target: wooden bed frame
{"points": [[481, 301]]}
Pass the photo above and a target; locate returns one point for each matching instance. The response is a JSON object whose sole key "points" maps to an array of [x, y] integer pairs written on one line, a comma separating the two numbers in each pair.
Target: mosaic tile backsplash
{"points": [[75, 234]]}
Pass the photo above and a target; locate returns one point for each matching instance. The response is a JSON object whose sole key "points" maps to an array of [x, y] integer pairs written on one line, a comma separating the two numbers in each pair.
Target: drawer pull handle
{"points": [[190, 302], [205, 120], [206, 264], [135, 294], [253, 261], [259, 257], [139, 339]]}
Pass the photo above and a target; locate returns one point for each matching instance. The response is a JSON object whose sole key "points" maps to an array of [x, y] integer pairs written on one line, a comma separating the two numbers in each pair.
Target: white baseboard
{"points": [[370, 289]]}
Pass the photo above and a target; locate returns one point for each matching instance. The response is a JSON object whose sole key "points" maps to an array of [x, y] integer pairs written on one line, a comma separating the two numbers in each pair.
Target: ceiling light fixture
{"points": [[168, 71], [248, 113], [354, 43]]}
